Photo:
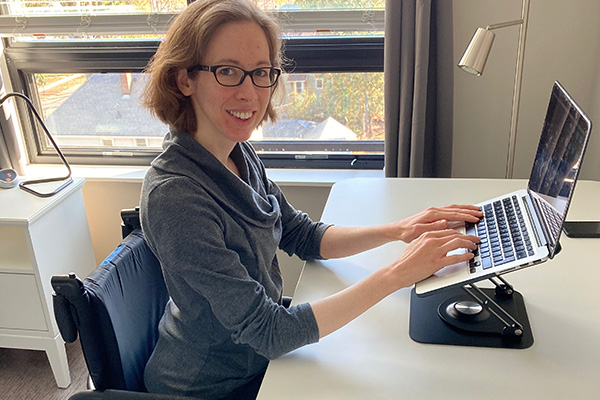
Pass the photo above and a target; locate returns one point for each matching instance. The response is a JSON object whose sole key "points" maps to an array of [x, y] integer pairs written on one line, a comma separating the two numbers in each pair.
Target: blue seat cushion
{"points": [[127, 295]]}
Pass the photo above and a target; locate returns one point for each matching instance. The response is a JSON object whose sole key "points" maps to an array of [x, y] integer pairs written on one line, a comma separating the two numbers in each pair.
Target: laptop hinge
{"points": [[540, 232]]}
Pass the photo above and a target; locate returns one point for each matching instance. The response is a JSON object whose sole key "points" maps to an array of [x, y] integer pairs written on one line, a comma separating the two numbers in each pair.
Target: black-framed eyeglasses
{"points": [[229, 75]]}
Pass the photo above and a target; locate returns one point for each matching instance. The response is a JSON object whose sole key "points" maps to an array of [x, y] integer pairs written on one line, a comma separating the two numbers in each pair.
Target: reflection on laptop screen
{"points": [[558, 160]]}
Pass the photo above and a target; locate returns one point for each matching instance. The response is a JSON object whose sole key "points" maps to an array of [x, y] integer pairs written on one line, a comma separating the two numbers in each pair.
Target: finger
{"points": [[464, 209], [457, 258], [473, 238], [456, 224], [464, 206], [440, 239], [438, 225], [470, 210], [443, 237], [434, 214], [458, 243], [440, 234], [474, 216]]}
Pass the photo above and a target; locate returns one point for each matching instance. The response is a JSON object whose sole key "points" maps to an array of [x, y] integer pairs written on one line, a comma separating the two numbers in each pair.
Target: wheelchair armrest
{"points": [[66, 290], [130, 220]]}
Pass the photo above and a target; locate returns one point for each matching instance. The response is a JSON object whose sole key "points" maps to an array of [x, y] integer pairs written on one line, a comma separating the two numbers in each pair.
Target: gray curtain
{"points": [[419, 88]]}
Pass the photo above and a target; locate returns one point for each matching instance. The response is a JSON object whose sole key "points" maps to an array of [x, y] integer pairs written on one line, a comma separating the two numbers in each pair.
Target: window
{"points": [[82, 61], [296, 83], [318, 83]]}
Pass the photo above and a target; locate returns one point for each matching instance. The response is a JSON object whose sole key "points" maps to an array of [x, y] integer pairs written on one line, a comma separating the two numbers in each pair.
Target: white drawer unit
{"points": [[39, 238]]}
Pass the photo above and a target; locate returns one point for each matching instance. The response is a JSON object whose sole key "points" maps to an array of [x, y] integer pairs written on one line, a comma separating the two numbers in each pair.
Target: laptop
{"points": [[523, 228]]}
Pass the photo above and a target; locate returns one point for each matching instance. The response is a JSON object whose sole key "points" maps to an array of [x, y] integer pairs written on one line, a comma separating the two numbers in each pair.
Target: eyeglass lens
{"points": [[233, 76]]}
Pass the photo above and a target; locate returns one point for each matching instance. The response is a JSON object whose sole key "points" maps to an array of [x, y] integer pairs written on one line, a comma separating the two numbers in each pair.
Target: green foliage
{"points": [[353, 99], [40, 80]]}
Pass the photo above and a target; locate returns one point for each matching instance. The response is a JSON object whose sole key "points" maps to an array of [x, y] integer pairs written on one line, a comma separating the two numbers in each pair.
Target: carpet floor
{"points": [[26, 374]]}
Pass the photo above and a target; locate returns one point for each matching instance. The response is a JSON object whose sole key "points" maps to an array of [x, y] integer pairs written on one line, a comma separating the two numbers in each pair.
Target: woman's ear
{"points": [[184, 83]]}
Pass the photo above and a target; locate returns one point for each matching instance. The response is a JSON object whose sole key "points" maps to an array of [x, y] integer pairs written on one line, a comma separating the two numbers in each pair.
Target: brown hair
{"points": [[186, 42]]}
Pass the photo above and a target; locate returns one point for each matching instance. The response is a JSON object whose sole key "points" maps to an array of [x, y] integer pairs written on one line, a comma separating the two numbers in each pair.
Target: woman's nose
{"points": [[246, 89]]}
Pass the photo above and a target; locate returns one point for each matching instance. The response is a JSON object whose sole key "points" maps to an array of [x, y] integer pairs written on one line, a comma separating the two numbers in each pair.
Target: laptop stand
{"points": [[472, 316]]}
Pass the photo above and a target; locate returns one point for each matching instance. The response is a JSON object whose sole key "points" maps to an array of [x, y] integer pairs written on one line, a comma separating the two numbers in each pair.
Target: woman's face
{"points": [[226, 115]]}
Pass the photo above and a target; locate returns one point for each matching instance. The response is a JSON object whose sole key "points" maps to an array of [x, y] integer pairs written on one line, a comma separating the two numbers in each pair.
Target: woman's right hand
{"points": [[422, 257], [429, 253]]}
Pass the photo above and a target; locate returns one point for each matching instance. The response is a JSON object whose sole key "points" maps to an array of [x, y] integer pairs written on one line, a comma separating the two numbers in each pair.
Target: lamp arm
{"points": [[67, 178], [514, 118], [504, 24]]}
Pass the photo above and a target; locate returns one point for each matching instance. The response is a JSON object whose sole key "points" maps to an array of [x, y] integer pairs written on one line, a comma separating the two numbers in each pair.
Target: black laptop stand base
{"points": [[471, 316]]}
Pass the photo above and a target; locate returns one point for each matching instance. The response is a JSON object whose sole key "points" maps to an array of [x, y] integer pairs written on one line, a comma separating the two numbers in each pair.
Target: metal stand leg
{"points": [[512, 327]]}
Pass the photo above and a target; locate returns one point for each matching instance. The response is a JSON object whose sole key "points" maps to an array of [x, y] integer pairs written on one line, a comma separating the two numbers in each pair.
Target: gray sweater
{"points": [[216, 236]]}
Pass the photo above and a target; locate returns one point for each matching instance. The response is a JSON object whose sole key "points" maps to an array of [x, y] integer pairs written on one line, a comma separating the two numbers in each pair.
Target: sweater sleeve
{"points": [[300, 236], [201, 269]]}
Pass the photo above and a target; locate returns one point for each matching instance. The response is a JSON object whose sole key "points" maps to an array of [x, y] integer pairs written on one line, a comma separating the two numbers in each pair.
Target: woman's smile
{"points": [[241, 115]]}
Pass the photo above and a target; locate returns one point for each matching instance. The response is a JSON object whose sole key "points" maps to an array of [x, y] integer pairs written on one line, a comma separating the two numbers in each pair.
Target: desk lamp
{"points": [[474, 59], [25, 184]]}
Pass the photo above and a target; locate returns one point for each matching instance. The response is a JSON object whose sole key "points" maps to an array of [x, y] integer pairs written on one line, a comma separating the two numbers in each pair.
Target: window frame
{"points": [[309, 55]]}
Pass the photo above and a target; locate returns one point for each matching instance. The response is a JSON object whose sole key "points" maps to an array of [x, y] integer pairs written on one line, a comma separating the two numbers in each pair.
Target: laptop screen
{"points": [[558, 160]]}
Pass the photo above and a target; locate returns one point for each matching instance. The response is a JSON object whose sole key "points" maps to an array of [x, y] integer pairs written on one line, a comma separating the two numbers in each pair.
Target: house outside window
{"points": [[295, 83], [82, 64]]}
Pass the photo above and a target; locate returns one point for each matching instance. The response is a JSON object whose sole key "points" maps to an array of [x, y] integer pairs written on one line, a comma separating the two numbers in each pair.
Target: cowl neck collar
{"points": [[246, 197]]}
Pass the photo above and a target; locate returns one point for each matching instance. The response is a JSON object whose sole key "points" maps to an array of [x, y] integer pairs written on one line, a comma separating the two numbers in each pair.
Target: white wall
{"points": [[563, 43]]}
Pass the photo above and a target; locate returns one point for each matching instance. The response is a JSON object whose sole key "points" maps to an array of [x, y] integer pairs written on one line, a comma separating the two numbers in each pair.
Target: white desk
{"points": [[39, 238], [373, 357]]}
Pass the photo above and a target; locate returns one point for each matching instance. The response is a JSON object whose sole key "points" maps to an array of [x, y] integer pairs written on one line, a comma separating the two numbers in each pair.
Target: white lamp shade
{"points": [[476, 55]]}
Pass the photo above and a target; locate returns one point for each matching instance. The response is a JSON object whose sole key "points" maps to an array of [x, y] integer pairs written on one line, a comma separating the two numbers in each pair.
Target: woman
{"points": [[215, 220]]}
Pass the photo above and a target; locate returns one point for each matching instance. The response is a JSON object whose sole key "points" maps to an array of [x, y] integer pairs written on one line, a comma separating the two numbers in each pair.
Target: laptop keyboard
{"points": [[503, 234], [552, 217]]}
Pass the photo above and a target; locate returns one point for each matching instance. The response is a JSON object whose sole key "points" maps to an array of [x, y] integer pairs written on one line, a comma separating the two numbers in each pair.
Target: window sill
{"points": [[282, 176]]}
